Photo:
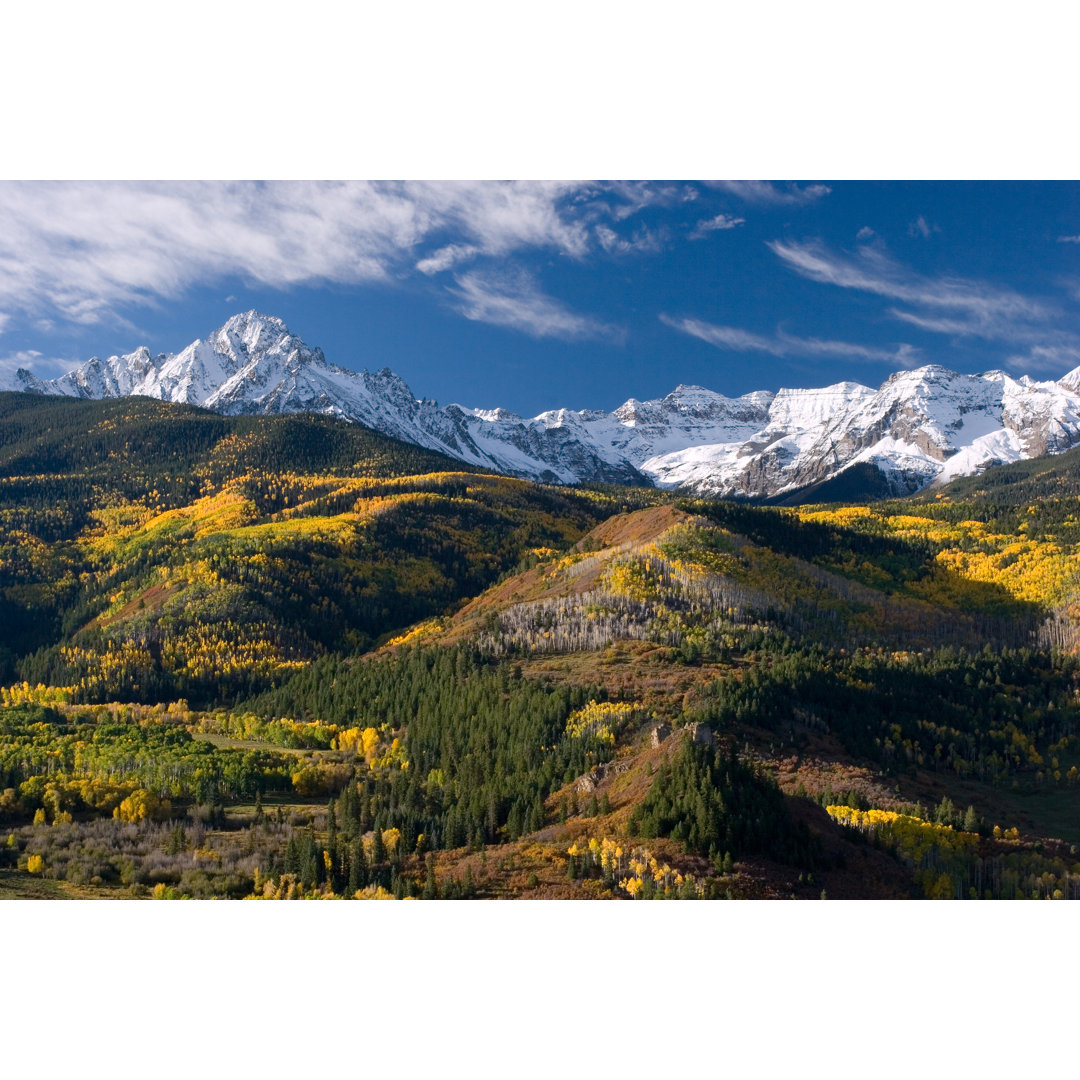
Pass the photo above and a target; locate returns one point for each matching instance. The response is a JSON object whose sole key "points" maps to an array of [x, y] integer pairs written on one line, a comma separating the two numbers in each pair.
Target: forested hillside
{"points": [[152, 551], [290, 657]]}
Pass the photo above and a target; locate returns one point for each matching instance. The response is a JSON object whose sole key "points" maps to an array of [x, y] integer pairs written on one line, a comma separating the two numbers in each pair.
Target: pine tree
{"points": [[358, 875], [431, 887], [292, 856]]}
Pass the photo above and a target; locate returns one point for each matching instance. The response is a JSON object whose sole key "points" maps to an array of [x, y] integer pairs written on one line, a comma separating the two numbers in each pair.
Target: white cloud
{"points": [[957, 327], [720, 222], [4, 320], [503, 217], [968, 307], [446, 257], [953, 306], [514, 300], [642, 241], [1069, 239], [84, 251], [766, 193], [865, 234], [635, 196], [783, 344]]}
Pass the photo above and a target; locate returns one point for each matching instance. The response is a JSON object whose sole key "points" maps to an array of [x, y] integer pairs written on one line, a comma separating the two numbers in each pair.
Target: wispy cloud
{"points": [[783, 344], [921, 227], [1069, 239], [767, 193], [446, 257], [515, 301], [82, 252], [641, 241], [956, 307], [500, 218], [713, 224], [865, 234], [950, 305], [936, 325], [631, 197], [87, 252], [1055, 360]]}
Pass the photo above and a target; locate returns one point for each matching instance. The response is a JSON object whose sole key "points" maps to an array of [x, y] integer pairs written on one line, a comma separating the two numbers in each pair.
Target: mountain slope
{"points": [[920, 427], [154, 549]]}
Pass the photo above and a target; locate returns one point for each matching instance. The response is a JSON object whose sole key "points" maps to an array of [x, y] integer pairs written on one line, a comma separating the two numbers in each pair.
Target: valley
{"points": [[288, 656]]}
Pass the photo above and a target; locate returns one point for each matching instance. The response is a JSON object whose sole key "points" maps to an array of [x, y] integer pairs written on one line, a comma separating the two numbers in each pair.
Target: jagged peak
{"points": [[244, 320], [251, 331]]}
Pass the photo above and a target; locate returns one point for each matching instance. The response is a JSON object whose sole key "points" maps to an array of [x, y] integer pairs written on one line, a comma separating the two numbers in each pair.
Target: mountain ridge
{"points": [[921, 426]]}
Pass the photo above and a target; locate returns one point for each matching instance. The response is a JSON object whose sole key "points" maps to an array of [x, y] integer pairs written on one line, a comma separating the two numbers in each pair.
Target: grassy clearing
{"points": [[19, 885]]}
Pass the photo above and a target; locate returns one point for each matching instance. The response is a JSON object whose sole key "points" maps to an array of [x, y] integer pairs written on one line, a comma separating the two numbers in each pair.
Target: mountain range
{"points": [[921, 426]]}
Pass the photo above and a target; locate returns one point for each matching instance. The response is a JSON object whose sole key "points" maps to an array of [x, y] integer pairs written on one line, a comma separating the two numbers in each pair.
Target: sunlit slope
{"points": [[151, 551], [699, 576]]}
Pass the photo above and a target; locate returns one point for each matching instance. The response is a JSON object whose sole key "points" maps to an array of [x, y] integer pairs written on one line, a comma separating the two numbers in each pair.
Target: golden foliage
{"points": [[142, 805], [600, 720]]}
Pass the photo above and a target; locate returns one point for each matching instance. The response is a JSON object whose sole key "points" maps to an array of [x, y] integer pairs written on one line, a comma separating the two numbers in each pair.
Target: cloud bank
{"points": [[86, 251]]}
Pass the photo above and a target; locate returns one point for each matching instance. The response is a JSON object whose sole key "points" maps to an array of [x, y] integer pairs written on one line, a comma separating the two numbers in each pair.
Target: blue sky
{"points": [[539, 295]]}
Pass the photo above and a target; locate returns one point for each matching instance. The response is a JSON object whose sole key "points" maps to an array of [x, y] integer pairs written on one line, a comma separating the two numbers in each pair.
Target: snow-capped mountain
{"points": [[920, 426]]}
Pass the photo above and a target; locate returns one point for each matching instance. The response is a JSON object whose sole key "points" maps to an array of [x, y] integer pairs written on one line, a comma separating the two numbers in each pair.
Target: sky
{"points": [[538, 295]]}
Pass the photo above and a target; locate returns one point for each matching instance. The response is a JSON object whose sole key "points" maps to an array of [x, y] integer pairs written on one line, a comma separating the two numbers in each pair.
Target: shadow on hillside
{"points": [[869, 586]]}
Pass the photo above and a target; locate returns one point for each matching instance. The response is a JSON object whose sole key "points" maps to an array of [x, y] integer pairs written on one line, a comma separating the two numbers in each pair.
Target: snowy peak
{"points": [[250, 333], [920, 426], [1071, 381]]}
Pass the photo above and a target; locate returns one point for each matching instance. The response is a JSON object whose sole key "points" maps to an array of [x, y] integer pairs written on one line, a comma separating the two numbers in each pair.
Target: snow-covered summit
{"points": [[920, 425]]}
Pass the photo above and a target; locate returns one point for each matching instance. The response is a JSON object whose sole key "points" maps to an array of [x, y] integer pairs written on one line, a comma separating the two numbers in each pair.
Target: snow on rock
{"points": [[919, 427]]}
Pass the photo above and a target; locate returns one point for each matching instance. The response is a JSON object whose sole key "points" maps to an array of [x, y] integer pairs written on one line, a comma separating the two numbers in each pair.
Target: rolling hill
{"points": [[286, 655]]}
